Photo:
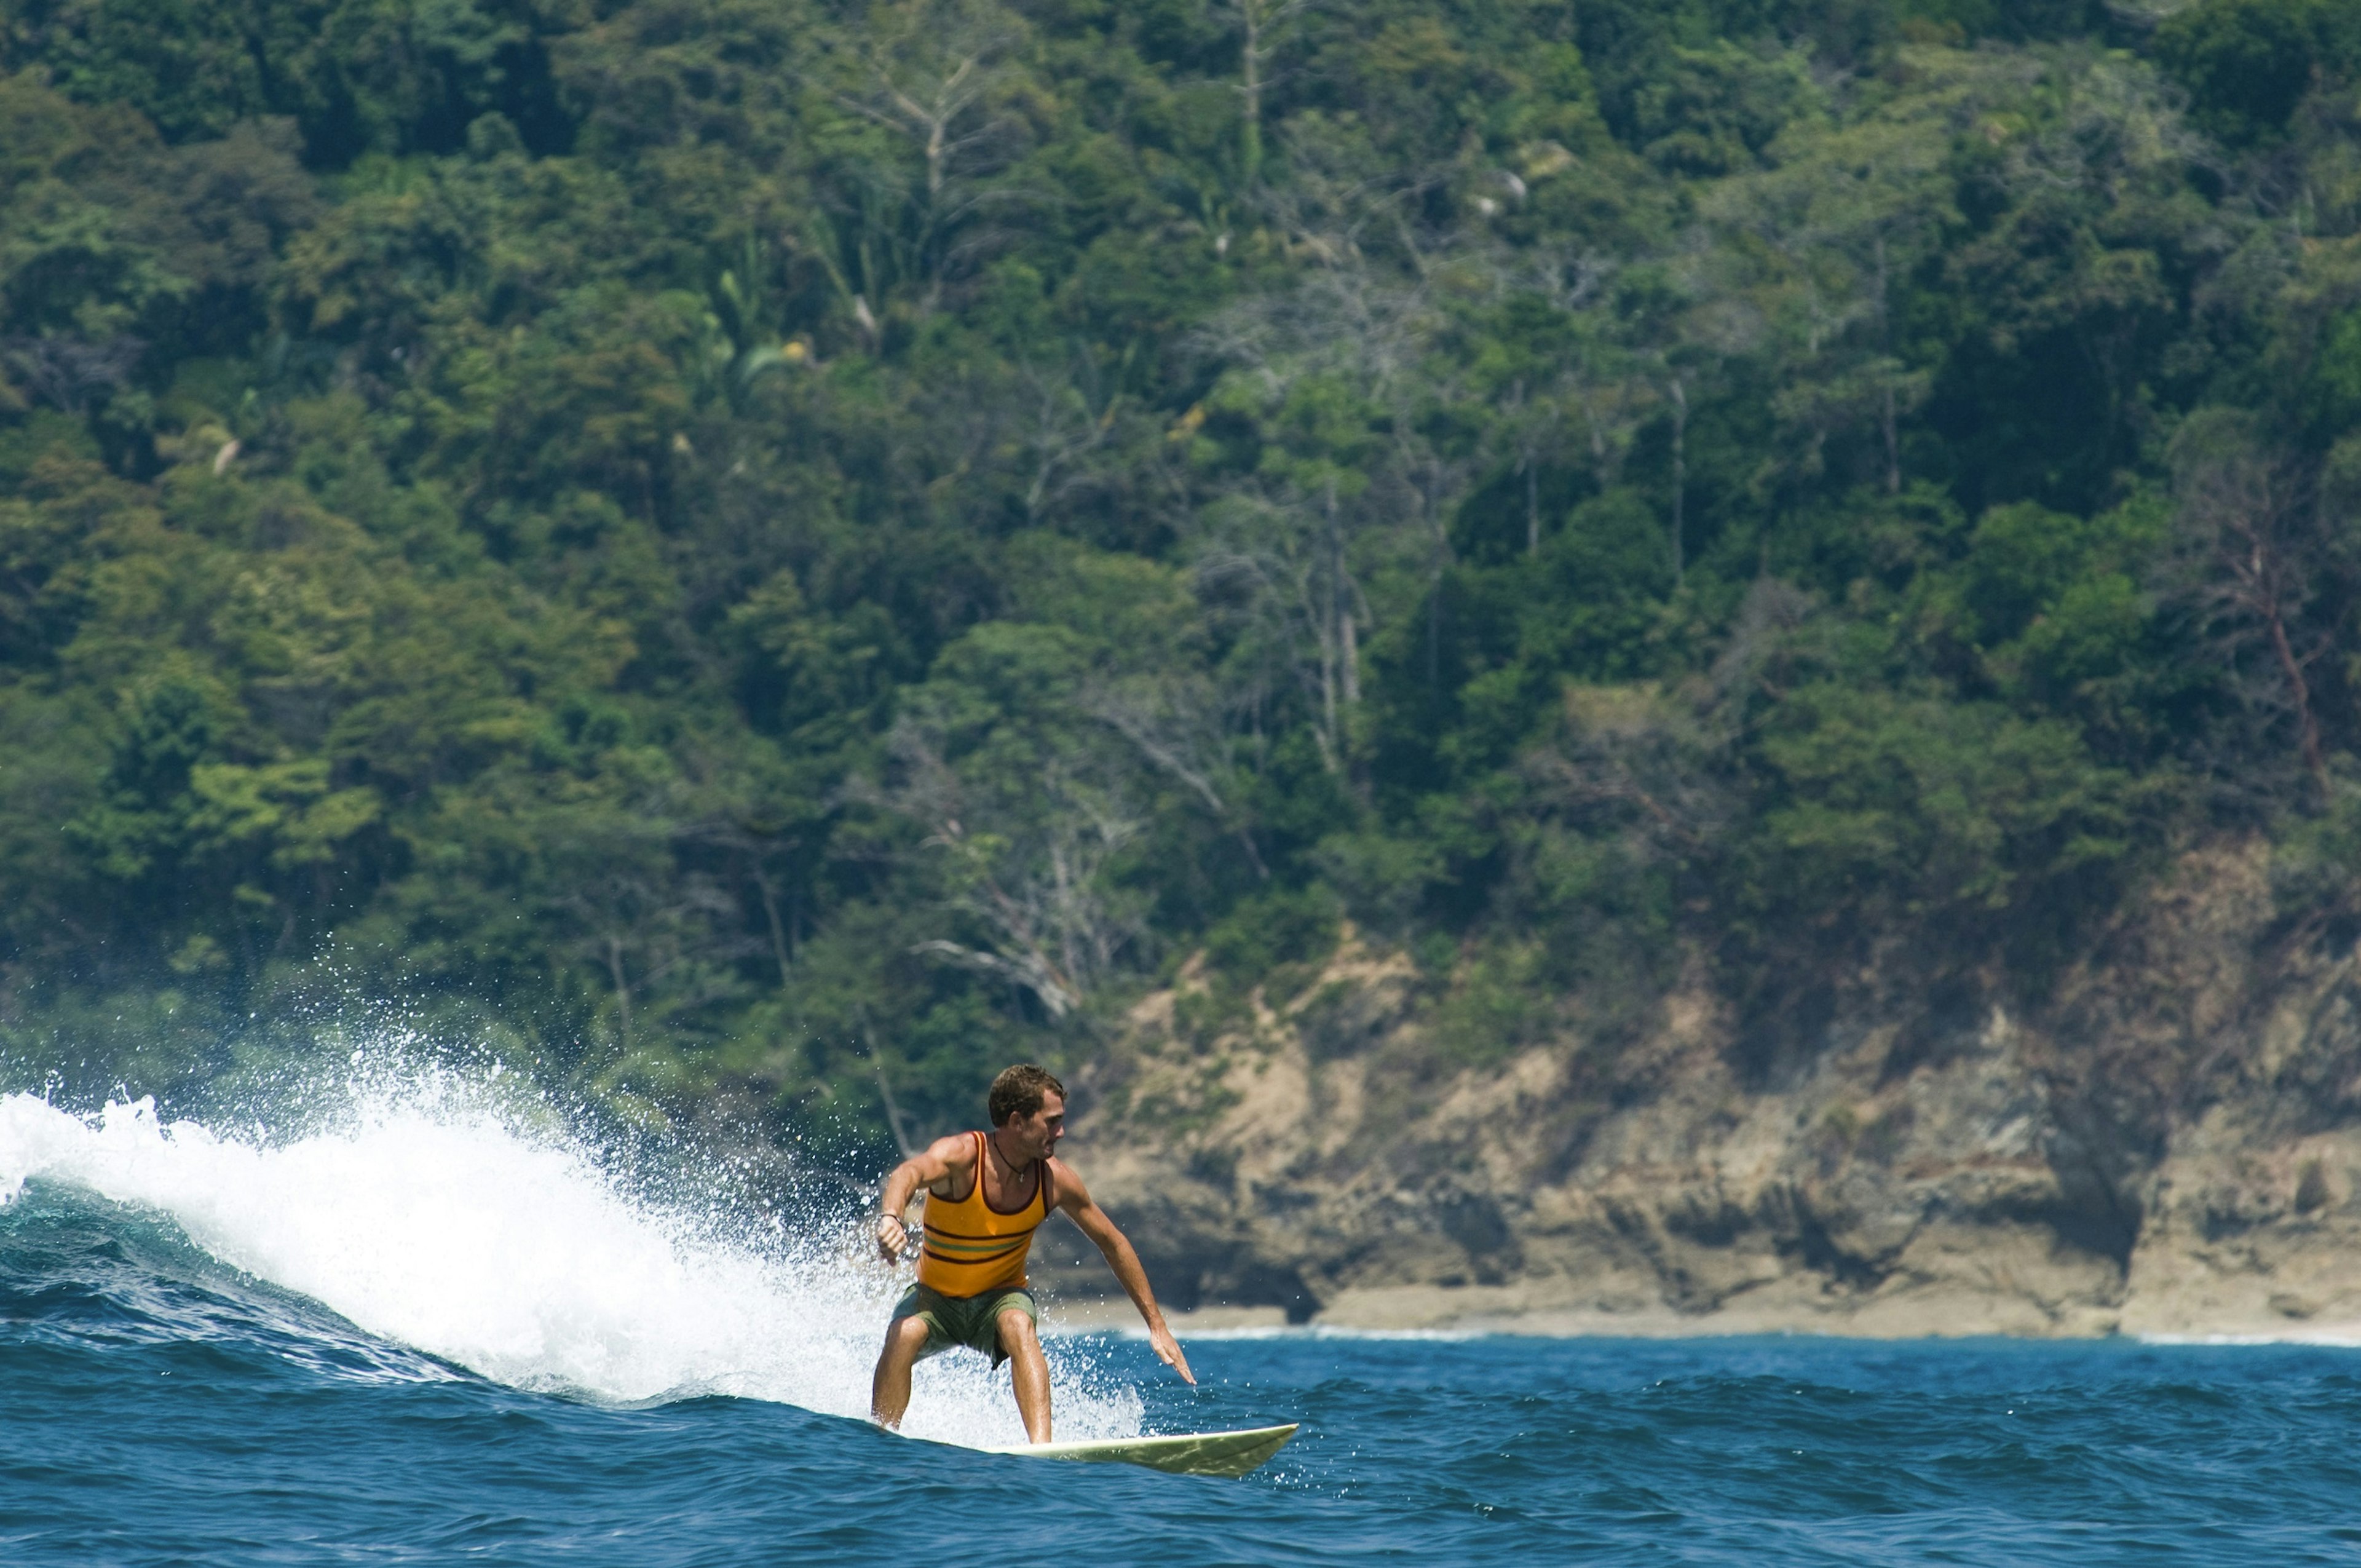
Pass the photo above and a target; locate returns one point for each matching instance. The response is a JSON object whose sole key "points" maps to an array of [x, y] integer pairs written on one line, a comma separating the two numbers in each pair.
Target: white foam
{"points": [[431, 1218], [2341, 1337]]}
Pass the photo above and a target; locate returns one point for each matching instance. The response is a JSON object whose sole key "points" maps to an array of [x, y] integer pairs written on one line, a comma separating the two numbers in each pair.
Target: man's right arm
{"points": [[931, 1165]]}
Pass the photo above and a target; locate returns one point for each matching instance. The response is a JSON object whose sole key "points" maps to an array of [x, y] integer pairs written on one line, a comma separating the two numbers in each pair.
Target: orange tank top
{"points": [[971, 1246]]}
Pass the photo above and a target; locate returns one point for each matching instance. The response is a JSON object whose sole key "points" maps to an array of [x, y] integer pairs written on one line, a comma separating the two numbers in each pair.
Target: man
{"points": [[986, 1194]]}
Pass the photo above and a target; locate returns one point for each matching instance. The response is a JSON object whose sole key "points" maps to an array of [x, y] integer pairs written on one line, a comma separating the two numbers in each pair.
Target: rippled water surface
{"points": [[216, 1353]]}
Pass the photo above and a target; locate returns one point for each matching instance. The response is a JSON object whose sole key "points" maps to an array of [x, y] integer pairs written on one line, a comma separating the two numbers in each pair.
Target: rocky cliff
{"points": [[2168, 1141]]}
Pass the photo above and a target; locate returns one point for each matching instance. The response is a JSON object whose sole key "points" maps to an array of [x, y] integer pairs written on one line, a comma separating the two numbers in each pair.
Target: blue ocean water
{"points": [[164, 1400]]}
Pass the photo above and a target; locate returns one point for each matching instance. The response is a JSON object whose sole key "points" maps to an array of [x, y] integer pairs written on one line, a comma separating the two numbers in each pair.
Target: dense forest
{"points": [[786, 553]]}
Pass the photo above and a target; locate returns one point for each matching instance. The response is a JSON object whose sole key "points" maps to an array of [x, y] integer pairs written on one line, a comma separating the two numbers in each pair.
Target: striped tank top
{"points": [[971, 1246]]}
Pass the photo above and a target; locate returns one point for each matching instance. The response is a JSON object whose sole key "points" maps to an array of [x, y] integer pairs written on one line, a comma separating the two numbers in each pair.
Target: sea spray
{"points": [[441, 1213]]}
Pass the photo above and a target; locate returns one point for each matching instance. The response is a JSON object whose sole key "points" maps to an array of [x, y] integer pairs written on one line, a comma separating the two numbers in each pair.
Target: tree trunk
{"points": [[1532, 507], [1893, 444], [622, 988], [1330, 630], [1328, 694], [1254, 855], [2307, 726], [892, 1112], [1250, 128], [1340, 582], [771, 911]]}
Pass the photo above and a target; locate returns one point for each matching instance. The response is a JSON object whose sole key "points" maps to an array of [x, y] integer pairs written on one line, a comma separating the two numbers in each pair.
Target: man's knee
{"points": [[906, 1337], [1016, 1332]]}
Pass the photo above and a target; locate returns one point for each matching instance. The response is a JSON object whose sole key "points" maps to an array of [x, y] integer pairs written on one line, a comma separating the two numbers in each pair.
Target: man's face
{"points": [[1036, 1136]]}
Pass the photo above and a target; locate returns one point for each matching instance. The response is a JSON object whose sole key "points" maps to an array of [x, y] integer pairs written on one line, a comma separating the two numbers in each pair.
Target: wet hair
{"points": [[1018, 1091]]}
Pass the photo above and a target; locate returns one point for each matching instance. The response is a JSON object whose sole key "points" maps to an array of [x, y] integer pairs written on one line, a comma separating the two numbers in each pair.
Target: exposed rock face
{"points": [[2170, 1142]]}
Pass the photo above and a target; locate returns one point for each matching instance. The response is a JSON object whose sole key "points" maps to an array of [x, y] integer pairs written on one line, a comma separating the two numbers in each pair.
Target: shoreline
{"points": [[1428, 1312]]}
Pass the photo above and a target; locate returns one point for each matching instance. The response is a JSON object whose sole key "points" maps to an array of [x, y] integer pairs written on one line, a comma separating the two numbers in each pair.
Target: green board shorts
{"points": [[971, 1321]]}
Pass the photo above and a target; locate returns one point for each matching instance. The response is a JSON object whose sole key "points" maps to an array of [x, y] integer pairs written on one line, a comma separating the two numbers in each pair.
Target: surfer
{"points": [[987, 1192]]}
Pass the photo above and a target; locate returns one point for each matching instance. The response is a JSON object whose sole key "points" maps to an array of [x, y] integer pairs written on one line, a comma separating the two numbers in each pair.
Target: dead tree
{"points": [[2248, 517]]}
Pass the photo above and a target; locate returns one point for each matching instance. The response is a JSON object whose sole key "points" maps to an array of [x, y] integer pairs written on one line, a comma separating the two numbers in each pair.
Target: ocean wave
{"points": [[435, 1216]]}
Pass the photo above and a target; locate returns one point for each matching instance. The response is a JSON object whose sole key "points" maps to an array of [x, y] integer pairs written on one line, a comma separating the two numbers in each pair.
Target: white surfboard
{"points": [[1182, 1453]]}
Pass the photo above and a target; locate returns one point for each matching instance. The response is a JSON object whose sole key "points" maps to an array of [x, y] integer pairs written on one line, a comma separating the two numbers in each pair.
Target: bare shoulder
{"points": [[942, 1160], [956, 1150], [1073, 1196]]}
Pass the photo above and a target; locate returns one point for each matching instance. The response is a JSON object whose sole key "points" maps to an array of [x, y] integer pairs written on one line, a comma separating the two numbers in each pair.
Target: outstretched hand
{"points": [[1168, 1350]]}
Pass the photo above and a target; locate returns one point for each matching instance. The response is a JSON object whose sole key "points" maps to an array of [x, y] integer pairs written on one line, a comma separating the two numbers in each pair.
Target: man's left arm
{"points": [[1075, 1200]]}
